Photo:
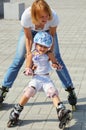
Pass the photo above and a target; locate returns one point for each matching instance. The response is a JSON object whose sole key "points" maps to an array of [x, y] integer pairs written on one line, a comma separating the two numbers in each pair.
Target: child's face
{"points": [[41, 49]]}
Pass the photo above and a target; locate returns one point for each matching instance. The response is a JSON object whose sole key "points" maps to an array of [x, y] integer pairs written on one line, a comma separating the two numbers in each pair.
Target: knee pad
{"points": [[52, 92], [29, 92]]}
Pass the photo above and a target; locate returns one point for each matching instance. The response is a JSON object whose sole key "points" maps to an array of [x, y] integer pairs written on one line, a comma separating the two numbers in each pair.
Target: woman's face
{"points": [[43, 18]]}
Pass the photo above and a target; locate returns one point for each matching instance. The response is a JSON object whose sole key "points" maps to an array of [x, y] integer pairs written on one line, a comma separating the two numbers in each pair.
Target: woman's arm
{"points": [[55, 63], [28, 68], [28, 37], [29, 61], [52, 31], [52, 58]]}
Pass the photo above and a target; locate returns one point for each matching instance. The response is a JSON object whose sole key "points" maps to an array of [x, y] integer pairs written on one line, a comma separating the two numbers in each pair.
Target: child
{"points": [[39, 59]]}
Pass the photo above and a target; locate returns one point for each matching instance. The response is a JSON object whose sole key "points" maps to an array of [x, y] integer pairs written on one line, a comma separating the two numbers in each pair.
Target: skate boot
{"points": [[64, 115], [72, 99], [3, 92], [14, 115]]}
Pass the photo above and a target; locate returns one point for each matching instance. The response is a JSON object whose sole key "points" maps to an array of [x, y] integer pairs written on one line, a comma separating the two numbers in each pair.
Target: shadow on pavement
{"points": [[39, 103], [6, 106], [26, 122]]}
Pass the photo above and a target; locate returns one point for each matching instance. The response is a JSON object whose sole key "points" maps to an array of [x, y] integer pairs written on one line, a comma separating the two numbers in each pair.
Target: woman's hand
{"points": [[57, 66]]}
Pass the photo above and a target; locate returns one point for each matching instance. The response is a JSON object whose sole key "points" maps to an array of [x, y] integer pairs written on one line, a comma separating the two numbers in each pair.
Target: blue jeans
{"points": [[63, 73], [19, 58]]}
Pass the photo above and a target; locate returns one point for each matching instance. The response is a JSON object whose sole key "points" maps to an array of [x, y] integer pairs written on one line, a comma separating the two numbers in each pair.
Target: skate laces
{"points": [[60, 110], [17, 109], [14, 114], [60, 106], [61, 113]]}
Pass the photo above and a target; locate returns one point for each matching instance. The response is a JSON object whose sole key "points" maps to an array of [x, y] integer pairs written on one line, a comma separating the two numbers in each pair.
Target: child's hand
{"points": [[57, 66], [28, 72]]}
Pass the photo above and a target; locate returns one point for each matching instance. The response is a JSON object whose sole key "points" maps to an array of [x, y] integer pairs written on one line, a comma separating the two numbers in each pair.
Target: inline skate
{"points": [[64, 116], [72, 99], [3, 92], [14, 115]]}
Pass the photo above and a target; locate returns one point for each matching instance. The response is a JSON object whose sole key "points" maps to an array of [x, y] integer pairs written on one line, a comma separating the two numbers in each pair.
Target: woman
{"points": [[38, 17]]}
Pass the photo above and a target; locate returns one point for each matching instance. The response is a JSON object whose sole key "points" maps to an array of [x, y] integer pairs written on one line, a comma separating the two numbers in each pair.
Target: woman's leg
{"points": [[14, 68], [64, 74], [18, 60]]}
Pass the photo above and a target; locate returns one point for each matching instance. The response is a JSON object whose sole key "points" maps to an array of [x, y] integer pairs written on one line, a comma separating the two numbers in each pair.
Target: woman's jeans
{"points": [[19, 58]]}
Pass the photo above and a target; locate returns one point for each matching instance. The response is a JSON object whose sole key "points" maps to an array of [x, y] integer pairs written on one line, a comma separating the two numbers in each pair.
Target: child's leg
{"points": [[29, 92], [52, 92], [56, 101], [62, 112], [14, 115]]}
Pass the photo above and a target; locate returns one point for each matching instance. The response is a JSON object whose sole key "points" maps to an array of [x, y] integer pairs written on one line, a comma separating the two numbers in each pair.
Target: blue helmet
{"points": [[43, 38]]}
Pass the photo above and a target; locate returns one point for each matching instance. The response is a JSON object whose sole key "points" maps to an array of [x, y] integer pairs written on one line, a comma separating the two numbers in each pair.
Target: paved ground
{"points": [[39, 113]]}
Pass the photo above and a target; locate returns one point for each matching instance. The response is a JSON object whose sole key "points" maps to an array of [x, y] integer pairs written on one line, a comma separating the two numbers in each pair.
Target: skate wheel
{"points": [[12, 123], [62, 126], [9, 124]]}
